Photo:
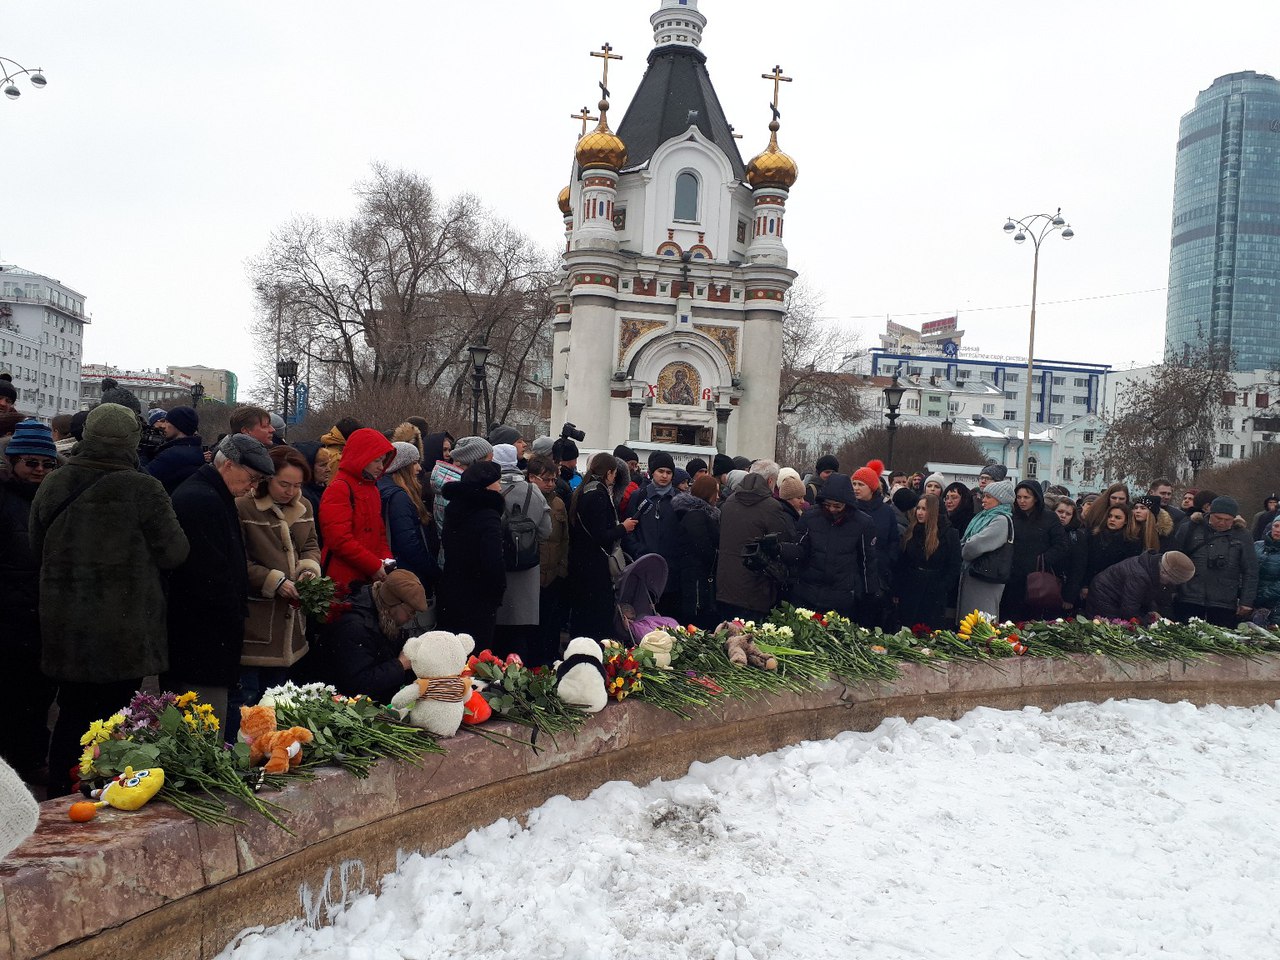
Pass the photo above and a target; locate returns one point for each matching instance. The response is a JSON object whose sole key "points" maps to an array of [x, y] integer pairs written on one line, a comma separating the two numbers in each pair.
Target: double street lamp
{"points": [[479, 354], [1034, 228], [11, 73], [287, 371], [892, 401]]}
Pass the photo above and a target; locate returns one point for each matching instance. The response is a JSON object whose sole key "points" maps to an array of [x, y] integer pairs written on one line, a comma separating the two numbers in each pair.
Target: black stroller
{"points": [[635, 596]]}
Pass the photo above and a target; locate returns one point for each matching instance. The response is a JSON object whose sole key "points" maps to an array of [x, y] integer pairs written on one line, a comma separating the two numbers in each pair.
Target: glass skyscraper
{"points": [[1224, 262]]}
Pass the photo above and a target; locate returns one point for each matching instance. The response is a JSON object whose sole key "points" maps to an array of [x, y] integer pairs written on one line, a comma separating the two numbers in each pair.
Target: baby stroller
{"points": [[638, 588]]}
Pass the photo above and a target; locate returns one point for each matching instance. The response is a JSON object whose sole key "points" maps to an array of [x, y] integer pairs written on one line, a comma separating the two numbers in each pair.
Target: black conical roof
{"points": [[675, 83]]}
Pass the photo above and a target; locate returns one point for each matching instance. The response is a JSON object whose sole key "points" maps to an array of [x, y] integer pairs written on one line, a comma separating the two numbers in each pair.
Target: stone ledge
{"points": [[77, 890]]}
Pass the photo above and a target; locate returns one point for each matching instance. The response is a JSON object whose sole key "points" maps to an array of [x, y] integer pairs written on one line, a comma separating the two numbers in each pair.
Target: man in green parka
{"points": [[104, 532]]}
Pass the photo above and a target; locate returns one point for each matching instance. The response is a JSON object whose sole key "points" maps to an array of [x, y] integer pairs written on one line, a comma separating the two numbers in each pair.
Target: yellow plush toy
{"points": [[129, 791]]}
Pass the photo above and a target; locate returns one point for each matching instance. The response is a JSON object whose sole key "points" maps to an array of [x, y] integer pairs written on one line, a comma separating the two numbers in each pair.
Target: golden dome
{"points": [[601, 148], [565, 207], [773, 168]]}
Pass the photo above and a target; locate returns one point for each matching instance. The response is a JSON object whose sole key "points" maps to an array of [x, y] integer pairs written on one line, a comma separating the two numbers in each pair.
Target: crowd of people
{"points": [[130, 548]]}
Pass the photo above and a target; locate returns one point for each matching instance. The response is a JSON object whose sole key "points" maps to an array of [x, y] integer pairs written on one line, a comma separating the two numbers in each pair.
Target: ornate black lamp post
{"points": [[1197, 456], [197, 394], [287, 371], [892, 401], [479, 354]]}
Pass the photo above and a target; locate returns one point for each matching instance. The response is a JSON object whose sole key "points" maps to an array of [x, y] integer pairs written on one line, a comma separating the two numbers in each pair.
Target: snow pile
{"points": [[1129, 829]]}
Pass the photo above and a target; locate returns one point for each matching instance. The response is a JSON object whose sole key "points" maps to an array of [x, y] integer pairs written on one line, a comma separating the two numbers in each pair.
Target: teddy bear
{"points": [[282, 749], [435, 701], [742, 650], [580, 675]]}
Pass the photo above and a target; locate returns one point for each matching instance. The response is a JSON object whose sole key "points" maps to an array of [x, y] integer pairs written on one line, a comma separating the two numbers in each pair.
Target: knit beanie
{"points": [[482, 474], [505, 455], [937, 478], [503, 434], [7, 389], [406, 454], [77, 423], [994, 471], [114, 424], [741, 463], [721, 464], [184, 420], [625, 453], [1176, 567], [543, 446], [278, 425], [31, 438], [694, 466], [401, 586], [471, 450], [1224, 504], [905, 499], [564, 450], [112, 392], [660, 459], [826, 462], [789, 488], [785, 472], [154, 416], [870, 474], [1001, 490], [1154, 504]]}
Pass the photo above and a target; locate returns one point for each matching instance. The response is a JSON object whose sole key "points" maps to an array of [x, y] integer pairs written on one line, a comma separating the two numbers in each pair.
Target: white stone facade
{"points": [[41, 341]]}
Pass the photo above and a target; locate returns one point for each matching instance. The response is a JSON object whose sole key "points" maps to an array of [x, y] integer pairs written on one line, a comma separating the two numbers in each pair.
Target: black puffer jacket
{"points": [[698, 540], [836, 562], [1130, 588], [1107, 548], [475, 574], [888, 539], [355, 655]]}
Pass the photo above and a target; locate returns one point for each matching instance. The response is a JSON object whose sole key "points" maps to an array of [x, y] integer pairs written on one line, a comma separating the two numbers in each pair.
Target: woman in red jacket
{"points": [[355, 538]]}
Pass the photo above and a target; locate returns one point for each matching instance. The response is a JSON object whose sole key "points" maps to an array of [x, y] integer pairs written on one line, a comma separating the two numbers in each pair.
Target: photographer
{"points": [[1226, 579], [753, 512], [181, 452]]}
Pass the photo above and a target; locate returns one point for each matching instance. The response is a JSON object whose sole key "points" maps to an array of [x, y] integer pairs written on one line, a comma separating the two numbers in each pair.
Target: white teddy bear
{"points": [[434, 702], [580, 675]]}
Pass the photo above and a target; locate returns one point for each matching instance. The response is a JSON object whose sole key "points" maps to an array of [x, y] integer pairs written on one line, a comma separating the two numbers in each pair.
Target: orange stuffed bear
{"points": [[281, 748]]}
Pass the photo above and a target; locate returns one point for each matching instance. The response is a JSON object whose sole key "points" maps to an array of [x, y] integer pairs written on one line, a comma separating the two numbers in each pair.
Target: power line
{"points": [[1011, 306]]}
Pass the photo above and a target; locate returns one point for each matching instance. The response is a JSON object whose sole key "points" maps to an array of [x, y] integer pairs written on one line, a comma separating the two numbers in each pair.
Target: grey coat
{"points": [[978, 594], [520, 602]]}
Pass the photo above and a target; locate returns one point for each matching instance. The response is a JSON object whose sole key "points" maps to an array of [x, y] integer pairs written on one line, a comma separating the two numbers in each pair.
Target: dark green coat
{"points": [[102, 606]]}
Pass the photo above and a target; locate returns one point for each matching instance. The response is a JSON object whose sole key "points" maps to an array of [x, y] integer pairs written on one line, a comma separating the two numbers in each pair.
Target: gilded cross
{"points": [[606, 54], [777, 79], [585, 116]]}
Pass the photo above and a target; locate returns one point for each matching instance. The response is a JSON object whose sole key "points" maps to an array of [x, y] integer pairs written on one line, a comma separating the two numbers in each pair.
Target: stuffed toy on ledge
{"points": [[580, 680], [129, 791], [282, 749], [742, 650], [435, 701]]}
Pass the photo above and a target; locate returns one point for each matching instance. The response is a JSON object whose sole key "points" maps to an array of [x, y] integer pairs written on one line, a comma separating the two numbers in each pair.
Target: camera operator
{"points": [[751, 513], [565, 452], [1222, 590], [182, 450], [152, 438]]}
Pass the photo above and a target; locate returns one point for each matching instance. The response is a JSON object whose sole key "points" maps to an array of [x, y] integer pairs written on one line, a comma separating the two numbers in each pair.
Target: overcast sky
{"points": [[172, 139]]}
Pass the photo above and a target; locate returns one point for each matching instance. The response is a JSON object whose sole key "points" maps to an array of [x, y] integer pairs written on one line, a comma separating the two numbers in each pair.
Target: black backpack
{"points": [[520, 536]]}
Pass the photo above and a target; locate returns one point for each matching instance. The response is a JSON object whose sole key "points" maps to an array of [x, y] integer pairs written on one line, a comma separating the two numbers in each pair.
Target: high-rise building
{"points": [[1224, 262], [41, 340]]}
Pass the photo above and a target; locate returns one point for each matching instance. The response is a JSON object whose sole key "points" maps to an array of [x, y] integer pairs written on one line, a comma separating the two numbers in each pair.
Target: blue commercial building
{"points": [[1224, 261]]}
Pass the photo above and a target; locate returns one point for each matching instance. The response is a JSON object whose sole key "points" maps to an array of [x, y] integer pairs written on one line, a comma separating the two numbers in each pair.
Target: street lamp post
{"points": [[287, 371], [11, 73], [1036, 227], [197, 394], [892, 401], [479, 354], [1196, 455]]}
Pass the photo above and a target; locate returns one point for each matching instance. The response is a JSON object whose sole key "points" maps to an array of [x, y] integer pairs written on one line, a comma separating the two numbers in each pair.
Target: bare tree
{"points": [[1162, 417], [913, 447]]}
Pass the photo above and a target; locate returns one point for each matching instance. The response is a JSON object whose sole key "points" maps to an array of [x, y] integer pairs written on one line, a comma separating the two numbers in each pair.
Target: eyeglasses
{"points": [[31, 463]]}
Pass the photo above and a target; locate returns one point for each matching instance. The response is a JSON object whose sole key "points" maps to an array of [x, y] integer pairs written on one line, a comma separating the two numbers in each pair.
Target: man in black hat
{"points": [[182, 452], [721, 466], [632, 460], [825, 467], [8, 394], [658, 527], [209, 592]]}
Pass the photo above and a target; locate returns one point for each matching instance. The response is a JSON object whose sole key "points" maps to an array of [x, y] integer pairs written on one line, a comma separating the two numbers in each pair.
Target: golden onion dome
{"points": [[601, 148], [773, 168], [563, 200]]}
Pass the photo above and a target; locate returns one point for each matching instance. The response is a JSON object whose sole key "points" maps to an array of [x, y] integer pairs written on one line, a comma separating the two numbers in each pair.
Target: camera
{"points": [[764, 555], [570, 431]]}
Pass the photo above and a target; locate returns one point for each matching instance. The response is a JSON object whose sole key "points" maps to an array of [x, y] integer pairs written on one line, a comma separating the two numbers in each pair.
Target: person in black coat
{"points": [[876, 610], [182, 452], [1072, 570], [594, 531], [475, 573], [317, 459], [835, 560], [659, 525], [957, 500], [698, 545], [1039, 542], [360, 652], [1139, 585], [928, 567], [209, 591], [1116, 540]]}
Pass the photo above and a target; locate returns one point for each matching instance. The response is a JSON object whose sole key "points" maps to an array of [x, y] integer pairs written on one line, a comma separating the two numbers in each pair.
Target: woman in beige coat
{"points": [[280, 543]]}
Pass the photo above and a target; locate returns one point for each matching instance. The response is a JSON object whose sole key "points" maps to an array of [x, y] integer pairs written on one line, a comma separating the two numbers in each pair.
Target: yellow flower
{"points": [[189, 720], [210, 722], [93, 735], [86, 763], [186, 699]]}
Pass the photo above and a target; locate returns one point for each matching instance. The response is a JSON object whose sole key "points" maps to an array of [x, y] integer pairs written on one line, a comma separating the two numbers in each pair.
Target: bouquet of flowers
{"points": [[523, 696], [316, 599], [622, 675], [980, 628]]}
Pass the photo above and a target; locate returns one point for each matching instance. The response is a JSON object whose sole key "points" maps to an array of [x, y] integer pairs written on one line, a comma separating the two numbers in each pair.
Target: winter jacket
{"points": [[355, 656], [442, 473], [19, 567], [1107, 547], [698, 544], [405, 532], [1128, 589], [553, 552], [1226, 564], [888, 538], [974, 593], [209, 591], [594, 530], [1037, 535], [312, 491], [520, 598], [836, 558], [336, 444], [102, 602], [1073, 569], [658, 527], [280, 544], [751, 512], [1261, 521], [355, 539], [1268, 595], [474, 577], [176, 460], [924, 584]]}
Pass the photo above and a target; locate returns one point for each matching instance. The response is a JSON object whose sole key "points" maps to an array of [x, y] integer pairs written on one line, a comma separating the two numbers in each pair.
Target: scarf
{"points": [[985, 518]]}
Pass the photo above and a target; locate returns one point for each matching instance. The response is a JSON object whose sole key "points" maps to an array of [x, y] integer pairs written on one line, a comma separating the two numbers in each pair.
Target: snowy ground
{"points": [[1131, 829]]}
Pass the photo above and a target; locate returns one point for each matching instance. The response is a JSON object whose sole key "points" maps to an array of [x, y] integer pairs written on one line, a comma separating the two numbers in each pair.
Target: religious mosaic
{"points": [[679, 384], [726, 338], [631, 330]]}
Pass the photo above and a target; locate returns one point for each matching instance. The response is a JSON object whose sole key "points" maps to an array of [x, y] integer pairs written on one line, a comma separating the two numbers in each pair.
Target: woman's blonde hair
{"points": [[405, 479]]}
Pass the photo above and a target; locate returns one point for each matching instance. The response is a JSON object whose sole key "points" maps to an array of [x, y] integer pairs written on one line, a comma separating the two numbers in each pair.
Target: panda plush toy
{"points": [[580, 675]]}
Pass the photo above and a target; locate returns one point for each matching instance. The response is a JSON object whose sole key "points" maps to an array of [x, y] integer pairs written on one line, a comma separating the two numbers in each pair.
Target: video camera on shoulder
{"points": [[764, 555], [570, 431]]}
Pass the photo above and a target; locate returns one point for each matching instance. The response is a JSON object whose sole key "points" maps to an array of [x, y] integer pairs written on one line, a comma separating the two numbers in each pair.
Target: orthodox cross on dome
{"points": [[585, 116], [777, 79], [605, 53]]}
